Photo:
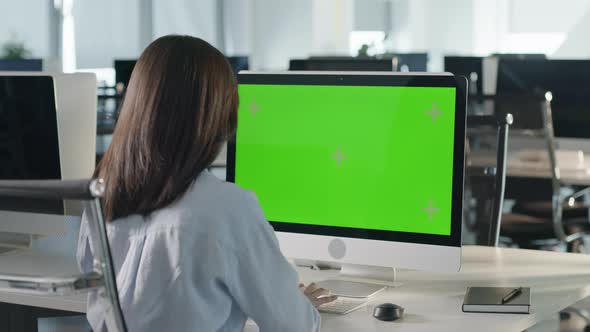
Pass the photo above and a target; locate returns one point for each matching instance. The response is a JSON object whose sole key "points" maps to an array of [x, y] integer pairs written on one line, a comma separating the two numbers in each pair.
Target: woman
{"points": [[192, 253]]}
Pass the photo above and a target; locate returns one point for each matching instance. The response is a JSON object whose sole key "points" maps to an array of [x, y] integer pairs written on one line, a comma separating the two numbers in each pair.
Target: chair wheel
{"points": [[565, 316]]}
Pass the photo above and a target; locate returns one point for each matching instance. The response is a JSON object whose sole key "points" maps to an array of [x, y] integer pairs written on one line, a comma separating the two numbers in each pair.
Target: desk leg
{"points": [[20, 318], [16, 318]]}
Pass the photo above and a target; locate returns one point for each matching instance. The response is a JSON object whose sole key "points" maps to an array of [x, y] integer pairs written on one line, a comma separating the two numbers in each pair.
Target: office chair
{"points": [[490, 177], [559, 219], [103, 277]]}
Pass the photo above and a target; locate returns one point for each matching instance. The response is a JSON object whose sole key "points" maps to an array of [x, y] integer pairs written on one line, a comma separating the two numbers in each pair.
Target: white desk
{"points": [[28, 263], [432, 300]]}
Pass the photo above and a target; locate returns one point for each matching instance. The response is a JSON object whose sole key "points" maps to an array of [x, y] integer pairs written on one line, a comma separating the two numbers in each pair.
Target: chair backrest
{"points": [[501, 124], [536, 115], [90, 192]]}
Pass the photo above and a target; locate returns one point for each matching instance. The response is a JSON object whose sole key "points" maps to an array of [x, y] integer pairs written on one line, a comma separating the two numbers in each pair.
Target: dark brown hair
{"points": [[179, 108]]}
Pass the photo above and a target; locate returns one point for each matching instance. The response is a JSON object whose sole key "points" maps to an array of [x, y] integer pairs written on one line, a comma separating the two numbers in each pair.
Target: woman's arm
{"points": [[263, 283]]}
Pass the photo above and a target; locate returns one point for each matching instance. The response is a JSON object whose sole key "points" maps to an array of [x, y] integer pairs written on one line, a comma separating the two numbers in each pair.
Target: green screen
{"points": [[368, 157]]}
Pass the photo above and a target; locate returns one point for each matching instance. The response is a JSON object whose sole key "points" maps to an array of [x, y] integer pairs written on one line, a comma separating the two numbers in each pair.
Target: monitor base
{"points": [[360, 281]]}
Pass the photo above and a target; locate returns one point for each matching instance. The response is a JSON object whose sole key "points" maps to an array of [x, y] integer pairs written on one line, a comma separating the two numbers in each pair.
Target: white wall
{"points": [[372, 15], [272, 32], [482, 27], [187, 17], [282, 29], [29, 20], [110, 29], [237, 20], [576, 45], [333, 21], [438, 27], [106, 30], [545, 16]]}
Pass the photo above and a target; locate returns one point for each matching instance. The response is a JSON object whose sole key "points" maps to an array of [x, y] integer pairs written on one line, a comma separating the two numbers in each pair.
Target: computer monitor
{"points": [[21, 65], [358, 168], [351, 64], [520, 56], [238, 63], [470, 67], [123, 70], [29, 146], [568, 81], [409, 62], [52, 135]]}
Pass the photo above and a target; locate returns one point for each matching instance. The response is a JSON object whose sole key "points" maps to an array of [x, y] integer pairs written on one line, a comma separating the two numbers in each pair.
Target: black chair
{"points": [[488, 180], [103, 277], [556, 219]]}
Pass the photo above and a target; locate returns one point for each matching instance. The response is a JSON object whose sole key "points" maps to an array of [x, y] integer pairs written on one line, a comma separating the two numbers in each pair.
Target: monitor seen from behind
{"points": [[238, 63], [47, 131], [21, 65], [341, 64], [467, 66], [29, 149], [567, 80], [124, 68]]}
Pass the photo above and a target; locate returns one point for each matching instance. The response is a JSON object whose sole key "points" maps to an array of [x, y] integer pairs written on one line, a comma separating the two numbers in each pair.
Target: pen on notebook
{"points": [[511, 295]]}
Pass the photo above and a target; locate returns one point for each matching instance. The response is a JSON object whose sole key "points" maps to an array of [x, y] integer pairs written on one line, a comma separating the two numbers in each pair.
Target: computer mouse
{"points": [[388, 312]]}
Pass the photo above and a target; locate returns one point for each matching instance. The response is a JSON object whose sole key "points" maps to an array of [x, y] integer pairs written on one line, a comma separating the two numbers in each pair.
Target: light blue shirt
{"points": [[207, 262]]}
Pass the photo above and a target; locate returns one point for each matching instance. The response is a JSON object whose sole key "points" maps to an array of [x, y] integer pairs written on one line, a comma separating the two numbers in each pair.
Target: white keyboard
{"points": [[343, 305]]}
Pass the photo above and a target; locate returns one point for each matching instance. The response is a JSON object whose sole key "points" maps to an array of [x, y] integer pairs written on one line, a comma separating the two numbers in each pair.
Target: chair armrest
{"points": [[47, 189], [570, 200]]}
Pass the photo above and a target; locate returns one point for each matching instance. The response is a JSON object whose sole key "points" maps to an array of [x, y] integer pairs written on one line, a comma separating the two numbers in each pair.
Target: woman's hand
{"points": [[317, 296]]}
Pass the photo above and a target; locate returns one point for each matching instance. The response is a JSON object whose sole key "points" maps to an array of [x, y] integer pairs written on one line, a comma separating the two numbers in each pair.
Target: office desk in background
{"points": [[519, 169], [525, 181], [432, 300]]}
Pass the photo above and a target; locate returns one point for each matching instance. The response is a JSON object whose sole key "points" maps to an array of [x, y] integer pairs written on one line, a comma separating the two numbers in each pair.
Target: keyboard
{"points": [[343, 305]]}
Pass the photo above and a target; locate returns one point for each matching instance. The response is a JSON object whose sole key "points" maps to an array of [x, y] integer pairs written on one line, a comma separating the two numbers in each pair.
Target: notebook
{"points": [[497, 300]]}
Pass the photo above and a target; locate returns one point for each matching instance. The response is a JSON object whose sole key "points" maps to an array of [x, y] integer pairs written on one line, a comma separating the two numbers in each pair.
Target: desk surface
{"points": [[432, 300], [29, 263]]}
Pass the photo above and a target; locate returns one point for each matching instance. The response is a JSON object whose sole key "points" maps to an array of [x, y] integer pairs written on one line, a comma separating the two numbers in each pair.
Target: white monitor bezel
{"points": [[76, 104]]}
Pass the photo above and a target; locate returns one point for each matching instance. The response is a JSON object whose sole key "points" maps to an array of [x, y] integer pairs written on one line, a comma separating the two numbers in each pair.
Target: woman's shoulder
{"points": [[211, 203], [215, 192]]}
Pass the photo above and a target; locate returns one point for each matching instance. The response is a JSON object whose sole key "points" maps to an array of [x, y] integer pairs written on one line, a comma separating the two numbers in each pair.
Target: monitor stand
{"points": [[359, 281]]}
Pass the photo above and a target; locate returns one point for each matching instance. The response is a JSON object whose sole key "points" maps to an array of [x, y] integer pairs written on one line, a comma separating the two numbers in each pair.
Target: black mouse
{"points": [[388, 312]]}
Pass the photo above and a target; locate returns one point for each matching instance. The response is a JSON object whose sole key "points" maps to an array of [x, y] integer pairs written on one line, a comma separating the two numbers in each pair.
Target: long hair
{"points": [[179, 108]]}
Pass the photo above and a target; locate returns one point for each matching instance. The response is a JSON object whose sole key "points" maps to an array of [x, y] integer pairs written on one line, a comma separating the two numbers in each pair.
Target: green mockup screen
{"points": [[367, 157]]}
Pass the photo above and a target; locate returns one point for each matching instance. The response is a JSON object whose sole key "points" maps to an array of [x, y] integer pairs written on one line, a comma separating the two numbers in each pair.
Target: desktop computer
{"points": [[468, 66], [123, 70], [342, 64], [47, 131], [408, 62], [402, 62], [238, 63], [567, 80], [361, 170], [21, 64]]}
